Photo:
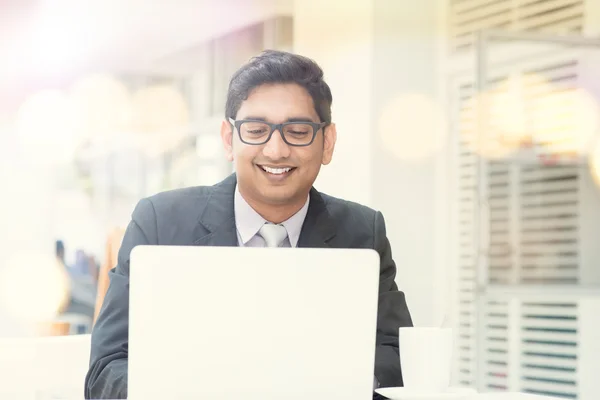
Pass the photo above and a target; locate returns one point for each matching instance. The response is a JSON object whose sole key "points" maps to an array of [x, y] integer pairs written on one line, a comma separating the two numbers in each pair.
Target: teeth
{"points": [[276, 171]]}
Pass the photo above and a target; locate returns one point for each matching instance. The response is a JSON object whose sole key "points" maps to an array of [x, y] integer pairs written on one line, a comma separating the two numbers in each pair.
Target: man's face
{"points": [[278, 103]]}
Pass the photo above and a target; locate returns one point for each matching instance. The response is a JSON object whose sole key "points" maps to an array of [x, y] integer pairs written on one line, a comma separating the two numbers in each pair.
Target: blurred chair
{"points": [[77, 323], [110, 261]]}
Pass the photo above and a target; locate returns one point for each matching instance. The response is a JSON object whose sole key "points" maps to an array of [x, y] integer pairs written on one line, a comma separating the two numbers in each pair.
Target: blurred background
{"points": [[473, 125]]}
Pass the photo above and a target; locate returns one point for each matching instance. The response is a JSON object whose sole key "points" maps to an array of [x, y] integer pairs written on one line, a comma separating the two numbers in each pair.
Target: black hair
{"points": [[272, 67]]}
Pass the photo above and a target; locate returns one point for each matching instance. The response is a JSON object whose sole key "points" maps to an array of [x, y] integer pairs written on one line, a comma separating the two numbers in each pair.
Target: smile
{"points": [[276, 175], [276, 171]]}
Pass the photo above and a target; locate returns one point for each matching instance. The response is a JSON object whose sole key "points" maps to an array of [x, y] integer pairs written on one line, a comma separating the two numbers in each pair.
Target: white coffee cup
{"points": [[426, 357]]}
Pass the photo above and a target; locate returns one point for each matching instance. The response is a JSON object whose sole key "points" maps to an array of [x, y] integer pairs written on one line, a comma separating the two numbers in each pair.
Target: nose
{"points": [[276, 148]]}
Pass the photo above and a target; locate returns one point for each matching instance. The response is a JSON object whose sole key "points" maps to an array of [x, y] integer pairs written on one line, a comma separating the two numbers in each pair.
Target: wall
{"points": [[409, 68], [375, 53], [338, 34]]}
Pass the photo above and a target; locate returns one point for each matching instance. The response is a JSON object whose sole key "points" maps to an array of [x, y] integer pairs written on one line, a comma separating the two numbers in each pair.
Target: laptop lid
{"points": [[252, 323]]}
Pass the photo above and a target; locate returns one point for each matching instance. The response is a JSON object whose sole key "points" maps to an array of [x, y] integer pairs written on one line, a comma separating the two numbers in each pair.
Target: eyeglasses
{"points": [[256, 132]]}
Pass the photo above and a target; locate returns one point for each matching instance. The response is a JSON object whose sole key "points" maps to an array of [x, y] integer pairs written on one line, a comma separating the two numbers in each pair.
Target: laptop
{"points": [[252, 323]]}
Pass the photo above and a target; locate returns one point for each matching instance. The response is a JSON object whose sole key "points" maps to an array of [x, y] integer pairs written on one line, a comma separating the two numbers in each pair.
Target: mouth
{"points": [[276, 172]]}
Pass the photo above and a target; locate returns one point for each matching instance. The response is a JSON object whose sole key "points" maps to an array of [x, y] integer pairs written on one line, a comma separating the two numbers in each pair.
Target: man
{"points": [[277, 132]]}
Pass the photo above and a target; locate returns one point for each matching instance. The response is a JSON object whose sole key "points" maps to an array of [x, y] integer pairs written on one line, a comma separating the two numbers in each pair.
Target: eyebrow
{"points": [[291, 119]]}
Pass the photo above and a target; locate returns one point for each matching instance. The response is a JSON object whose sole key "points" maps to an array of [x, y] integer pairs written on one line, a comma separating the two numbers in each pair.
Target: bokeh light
{"points": [[103, 106], [503, 127], [413, 127], [565, 122], [594, 161], [47, 126], [161, 114], [527, 112], [33, 288]]}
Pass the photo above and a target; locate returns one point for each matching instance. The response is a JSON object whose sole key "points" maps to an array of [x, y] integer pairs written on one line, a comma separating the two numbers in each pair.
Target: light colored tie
{"points": [[273, 234]]}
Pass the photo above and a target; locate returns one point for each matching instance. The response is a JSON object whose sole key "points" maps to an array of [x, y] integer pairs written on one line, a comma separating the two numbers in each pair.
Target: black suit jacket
{"points": [[204, 216]]}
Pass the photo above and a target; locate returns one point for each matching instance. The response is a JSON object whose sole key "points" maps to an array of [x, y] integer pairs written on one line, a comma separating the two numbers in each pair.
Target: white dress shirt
{"points": [[248, 222]]}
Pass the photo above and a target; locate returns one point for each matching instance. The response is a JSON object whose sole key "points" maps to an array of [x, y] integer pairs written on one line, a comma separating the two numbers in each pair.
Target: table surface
{"points": [[507, 396], [503, 396], [510, 396]]}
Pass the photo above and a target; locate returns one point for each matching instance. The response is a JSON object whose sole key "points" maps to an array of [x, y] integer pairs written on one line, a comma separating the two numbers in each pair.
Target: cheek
{"points": [[244, 154], [310, 159]]}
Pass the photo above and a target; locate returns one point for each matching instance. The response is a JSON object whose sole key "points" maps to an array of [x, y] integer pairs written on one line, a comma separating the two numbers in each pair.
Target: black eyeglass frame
{"points": [[279, 127]]}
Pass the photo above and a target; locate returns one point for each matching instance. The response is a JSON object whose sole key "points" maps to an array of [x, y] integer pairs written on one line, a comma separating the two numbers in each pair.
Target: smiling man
{"points": [[278, 133]]}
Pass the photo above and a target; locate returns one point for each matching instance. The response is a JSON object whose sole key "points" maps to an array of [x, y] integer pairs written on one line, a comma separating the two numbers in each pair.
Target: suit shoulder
{"points": [[172, 214], [345, 210], [177, 195], [355, 223], [185, 201]]}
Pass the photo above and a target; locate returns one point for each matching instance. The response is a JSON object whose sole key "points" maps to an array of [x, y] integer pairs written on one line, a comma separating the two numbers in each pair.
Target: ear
{"points": [[329, 139], [227, 138]]}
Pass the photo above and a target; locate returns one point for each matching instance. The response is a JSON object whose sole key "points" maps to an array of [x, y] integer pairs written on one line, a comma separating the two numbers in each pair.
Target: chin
{"points": [[278, 195]]}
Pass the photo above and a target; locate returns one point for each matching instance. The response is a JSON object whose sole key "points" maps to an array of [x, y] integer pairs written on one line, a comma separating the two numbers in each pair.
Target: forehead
{"points": [[278, 102]]}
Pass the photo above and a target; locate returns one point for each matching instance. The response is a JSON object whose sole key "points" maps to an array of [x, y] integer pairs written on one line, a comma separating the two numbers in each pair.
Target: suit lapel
{"points": [[224, 236], [318, 228], [217, 220]]}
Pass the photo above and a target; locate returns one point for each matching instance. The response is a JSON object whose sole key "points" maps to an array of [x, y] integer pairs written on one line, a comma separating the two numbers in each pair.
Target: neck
{"points": [[275, 213]]}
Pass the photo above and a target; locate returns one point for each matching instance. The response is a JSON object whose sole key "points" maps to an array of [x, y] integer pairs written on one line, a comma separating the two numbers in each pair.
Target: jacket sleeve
{"points": [[392, 312], [107, 375]]}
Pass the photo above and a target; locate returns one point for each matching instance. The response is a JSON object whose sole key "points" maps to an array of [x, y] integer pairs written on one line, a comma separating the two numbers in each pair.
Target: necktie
{"points": [[273, 234]]}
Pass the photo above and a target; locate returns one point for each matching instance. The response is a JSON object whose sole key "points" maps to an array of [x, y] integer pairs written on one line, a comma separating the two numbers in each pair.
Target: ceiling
{"points": [[49, 42]]}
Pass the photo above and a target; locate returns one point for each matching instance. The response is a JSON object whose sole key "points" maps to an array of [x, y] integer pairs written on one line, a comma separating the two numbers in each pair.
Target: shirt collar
{"points": [[249, 222]]}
